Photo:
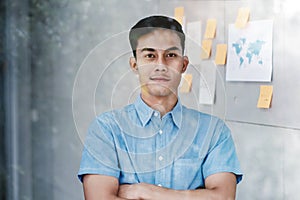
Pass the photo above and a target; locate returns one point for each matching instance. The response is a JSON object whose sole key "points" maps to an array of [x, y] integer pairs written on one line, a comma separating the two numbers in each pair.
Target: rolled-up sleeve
{"points": [[222, 156], [99, 154]]}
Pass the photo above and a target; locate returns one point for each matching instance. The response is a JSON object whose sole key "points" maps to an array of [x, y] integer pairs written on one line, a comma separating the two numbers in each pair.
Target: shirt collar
{"points": [[145, 112], [176, 114]]}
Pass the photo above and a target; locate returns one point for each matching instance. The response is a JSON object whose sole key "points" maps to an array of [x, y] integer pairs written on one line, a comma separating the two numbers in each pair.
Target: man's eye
{"points": [[150, 56], [171, 55]]}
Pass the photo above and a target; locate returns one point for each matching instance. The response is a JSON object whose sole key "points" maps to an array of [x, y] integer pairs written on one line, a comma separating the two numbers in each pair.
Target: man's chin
{"points": [[160, 91]]}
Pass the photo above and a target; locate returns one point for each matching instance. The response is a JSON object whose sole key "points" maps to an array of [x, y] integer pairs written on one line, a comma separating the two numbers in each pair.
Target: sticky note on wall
{"points": [[242, 17], [221, 54], [210, 31], [179, 14], [206, 49], [187, 83], [265, 96]]}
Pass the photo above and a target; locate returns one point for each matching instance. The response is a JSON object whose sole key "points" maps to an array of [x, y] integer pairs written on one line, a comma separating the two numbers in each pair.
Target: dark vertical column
{"points": [[2, 119], [17, 92]]}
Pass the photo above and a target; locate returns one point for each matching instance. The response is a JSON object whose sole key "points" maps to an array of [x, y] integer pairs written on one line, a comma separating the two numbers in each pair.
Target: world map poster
{"points": [[250, 52]]}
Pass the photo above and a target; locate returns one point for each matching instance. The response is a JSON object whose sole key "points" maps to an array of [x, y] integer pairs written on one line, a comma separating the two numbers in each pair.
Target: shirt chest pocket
{"points": [[187, 174]]}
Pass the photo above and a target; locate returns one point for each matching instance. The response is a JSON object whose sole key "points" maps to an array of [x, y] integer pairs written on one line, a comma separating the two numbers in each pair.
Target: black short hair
{"points": [[151, 23]]}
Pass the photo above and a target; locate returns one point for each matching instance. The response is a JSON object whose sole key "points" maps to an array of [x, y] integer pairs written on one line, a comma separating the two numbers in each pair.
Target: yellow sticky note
{"points": [[265, 96], [242, 18], [221, 54], [187, 83], [210, 31], [178, 14], [206, 49]]}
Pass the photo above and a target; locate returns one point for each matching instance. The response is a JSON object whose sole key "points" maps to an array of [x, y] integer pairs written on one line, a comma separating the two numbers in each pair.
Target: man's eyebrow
{"points": [[168, 49], [147, 49], [173, 48]]}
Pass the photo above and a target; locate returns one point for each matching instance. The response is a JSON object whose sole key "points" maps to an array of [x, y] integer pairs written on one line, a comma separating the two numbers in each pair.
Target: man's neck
{"points": [[163, 104]]}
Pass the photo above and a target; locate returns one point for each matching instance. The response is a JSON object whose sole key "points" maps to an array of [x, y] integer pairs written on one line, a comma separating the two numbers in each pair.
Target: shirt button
{"points": [[155, 114], [160, 132], [160, 158]]}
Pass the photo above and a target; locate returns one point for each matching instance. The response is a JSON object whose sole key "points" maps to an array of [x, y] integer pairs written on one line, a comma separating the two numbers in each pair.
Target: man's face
{"points": [[159, 62]]}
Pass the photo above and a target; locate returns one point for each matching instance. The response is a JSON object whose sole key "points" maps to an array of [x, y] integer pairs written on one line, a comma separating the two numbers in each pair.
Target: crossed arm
{"points": [[220, 186]]}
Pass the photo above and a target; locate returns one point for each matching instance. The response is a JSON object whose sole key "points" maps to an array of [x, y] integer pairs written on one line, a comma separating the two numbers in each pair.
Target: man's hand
{"points": [[218, 186]]}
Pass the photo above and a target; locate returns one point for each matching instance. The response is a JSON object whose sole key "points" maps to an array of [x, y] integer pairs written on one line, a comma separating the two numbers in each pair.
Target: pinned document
{"points": [[210, 31], [207, 84], [221, 54], [187, 83], [206, 49], [250, 52], [265, 96], [179, 14], [242, 18], [194, 31], [193, 42]]}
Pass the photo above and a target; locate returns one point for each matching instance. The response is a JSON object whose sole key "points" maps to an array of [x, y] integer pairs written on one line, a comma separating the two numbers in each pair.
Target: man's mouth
{"points": [[159, 78]]}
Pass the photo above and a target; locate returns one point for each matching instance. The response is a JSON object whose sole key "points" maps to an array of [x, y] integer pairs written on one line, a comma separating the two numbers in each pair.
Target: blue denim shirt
{"points": [[179, 150]]}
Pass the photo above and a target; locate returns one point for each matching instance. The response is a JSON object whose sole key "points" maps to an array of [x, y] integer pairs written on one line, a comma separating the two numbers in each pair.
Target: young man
{"points": [[156, 148]]}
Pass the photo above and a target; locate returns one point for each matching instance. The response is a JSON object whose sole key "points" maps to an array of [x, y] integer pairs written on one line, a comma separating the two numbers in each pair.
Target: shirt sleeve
{"points": [[99, 152], [222, 155]]}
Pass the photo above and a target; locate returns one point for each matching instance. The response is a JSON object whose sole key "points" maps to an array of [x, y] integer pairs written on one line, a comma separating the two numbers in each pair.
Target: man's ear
{"points": [[133, 64], [185, 63]]}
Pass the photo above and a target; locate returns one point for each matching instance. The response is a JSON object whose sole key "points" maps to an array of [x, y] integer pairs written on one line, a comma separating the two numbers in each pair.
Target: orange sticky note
{"points": [[265, 96], [210, 31], [178, 14], [242, 18], [187, 83], [221, 54], [206, 49]]}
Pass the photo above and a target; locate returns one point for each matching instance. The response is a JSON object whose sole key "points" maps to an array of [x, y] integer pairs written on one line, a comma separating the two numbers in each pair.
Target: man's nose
{"points": [[161, 64]]}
